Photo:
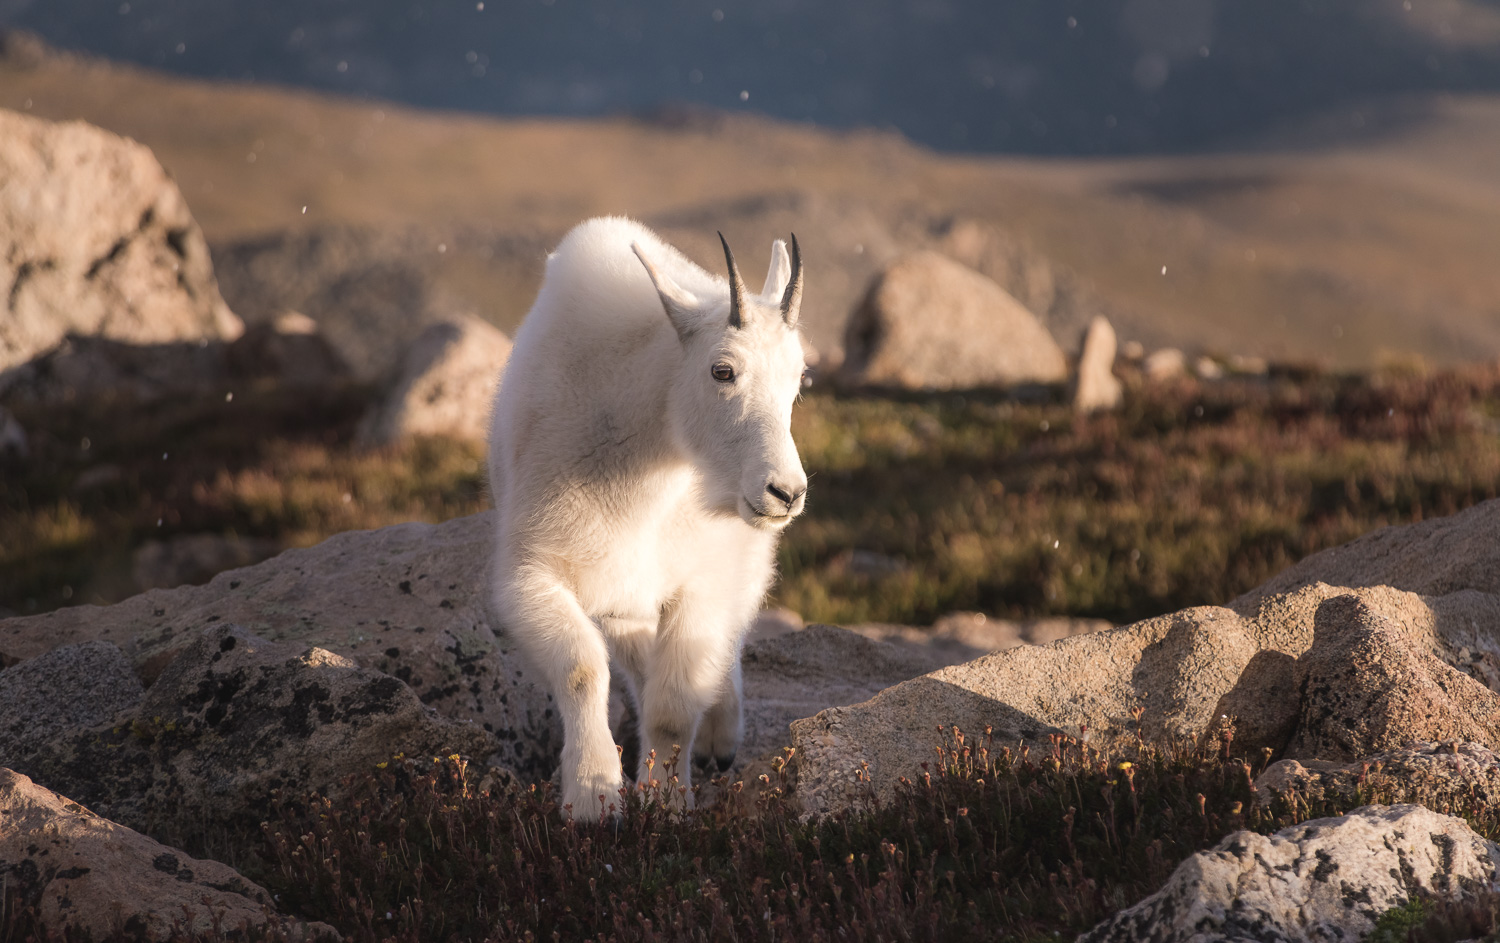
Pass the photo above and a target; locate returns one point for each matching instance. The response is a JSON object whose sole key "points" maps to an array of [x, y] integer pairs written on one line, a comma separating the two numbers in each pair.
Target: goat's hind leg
{"points": [[630, 642]]}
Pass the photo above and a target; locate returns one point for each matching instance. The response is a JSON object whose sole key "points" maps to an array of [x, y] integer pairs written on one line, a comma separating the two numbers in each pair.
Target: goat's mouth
{"points": [[759, 518]]}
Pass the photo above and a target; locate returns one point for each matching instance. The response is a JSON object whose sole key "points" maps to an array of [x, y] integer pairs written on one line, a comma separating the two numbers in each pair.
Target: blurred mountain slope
{"points": [[1032, 76], [1324, 239]]}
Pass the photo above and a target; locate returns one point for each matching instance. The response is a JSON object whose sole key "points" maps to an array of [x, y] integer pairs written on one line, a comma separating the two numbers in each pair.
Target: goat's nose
{"points": [[786, 496]]}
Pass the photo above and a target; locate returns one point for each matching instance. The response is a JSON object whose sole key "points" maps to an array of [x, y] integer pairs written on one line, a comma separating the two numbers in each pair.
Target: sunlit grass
{"points": [[919, 504]]}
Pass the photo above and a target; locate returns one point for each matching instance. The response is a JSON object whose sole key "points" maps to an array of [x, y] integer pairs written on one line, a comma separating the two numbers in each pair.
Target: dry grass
{"points": [[993, 843]]}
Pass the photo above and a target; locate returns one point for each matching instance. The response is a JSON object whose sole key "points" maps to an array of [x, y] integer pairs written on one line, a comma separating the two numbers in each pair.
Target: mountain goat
{"points": [[642, 468]]}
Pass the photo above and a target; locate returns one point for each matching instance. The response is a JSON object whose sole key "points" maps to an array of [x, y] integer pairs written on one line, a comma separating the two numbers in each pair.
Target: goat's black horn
{"points": [[736, 288], [791, 299]]}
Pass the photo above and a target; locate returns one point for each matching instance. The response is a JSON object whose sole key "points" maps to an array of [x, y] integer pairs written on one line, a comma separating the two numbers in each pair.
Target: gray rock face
{"points": [[408, 600], [1323, 880], [1096, 387], [86, 873], [447, 382], [930, 323], [234, 717], [70, 688], [1365, 689], [96, 239]]}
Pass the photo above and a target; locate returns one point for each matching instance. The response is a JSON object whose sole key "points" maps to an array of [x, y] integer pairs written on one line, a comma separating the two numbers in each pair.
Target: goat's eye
{"points": [[722, 372]]}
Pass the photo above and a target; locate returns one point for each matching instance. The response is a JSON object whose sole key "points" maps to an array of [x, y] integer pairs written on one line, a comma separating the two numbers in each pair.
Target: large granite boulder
{"points": [[409, 600], [85, 874], [96, 239], [930, 323], [1328, 879]]}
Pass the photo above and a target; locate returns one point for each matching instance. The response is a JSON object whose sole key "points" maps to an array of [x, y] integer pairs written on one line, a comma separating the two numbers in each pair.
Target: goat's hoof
{"points": [[716, 762]]}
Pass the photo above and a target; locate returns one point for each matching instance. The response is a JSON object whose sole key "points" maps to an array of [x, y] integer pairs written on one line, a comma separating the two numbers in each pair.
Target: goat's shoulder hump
{"points": [[599, 251]]}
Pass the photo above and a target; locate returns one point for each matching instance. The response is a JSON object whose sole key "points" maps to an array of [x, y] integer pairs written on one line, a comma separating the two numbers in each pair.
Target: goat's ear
{"points": [[779, 275], [681, 307]]}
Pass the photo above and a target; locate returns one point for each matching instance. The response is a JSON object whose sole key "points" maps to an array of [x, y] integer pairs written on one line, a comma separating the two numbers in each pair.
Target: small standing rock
{"points": [[1097, 388]]}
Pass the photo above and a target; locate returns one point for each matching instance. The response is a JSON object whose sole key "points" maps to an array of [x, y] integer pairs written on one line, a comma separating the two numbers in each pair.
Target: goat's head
{"points": [[730, 404]]}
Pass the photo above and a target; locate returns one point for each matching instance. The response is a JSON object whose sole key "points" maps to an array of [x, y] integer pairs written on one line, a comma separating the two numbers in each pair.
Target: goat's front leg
{"points": [[567, 649], [687, 673]]}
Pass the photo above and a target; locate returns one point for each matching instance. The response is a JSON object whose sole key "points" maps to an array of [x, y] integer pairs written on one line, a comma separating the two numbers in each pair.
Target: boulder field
{"points": [[320, 662]]}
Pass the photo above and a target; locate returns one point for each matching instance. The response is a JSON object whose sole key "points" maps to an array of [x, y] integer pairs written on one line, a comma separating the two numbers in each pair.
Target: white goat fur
{"points": [[639, 498]]}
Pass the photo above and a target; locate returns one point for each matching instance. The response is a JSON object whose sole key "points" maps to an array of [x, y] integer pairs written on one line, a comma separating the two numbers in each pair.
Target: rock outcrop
{"points": [[68, 689], [930, 323], [1446, 777], [1096, 388], [90, 875], [447, 382], [96, 239], [229, 721], [1174, 668], [1438, 557], [408, 600], [1365, 689], [1180, 672], [1328, 879]]}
